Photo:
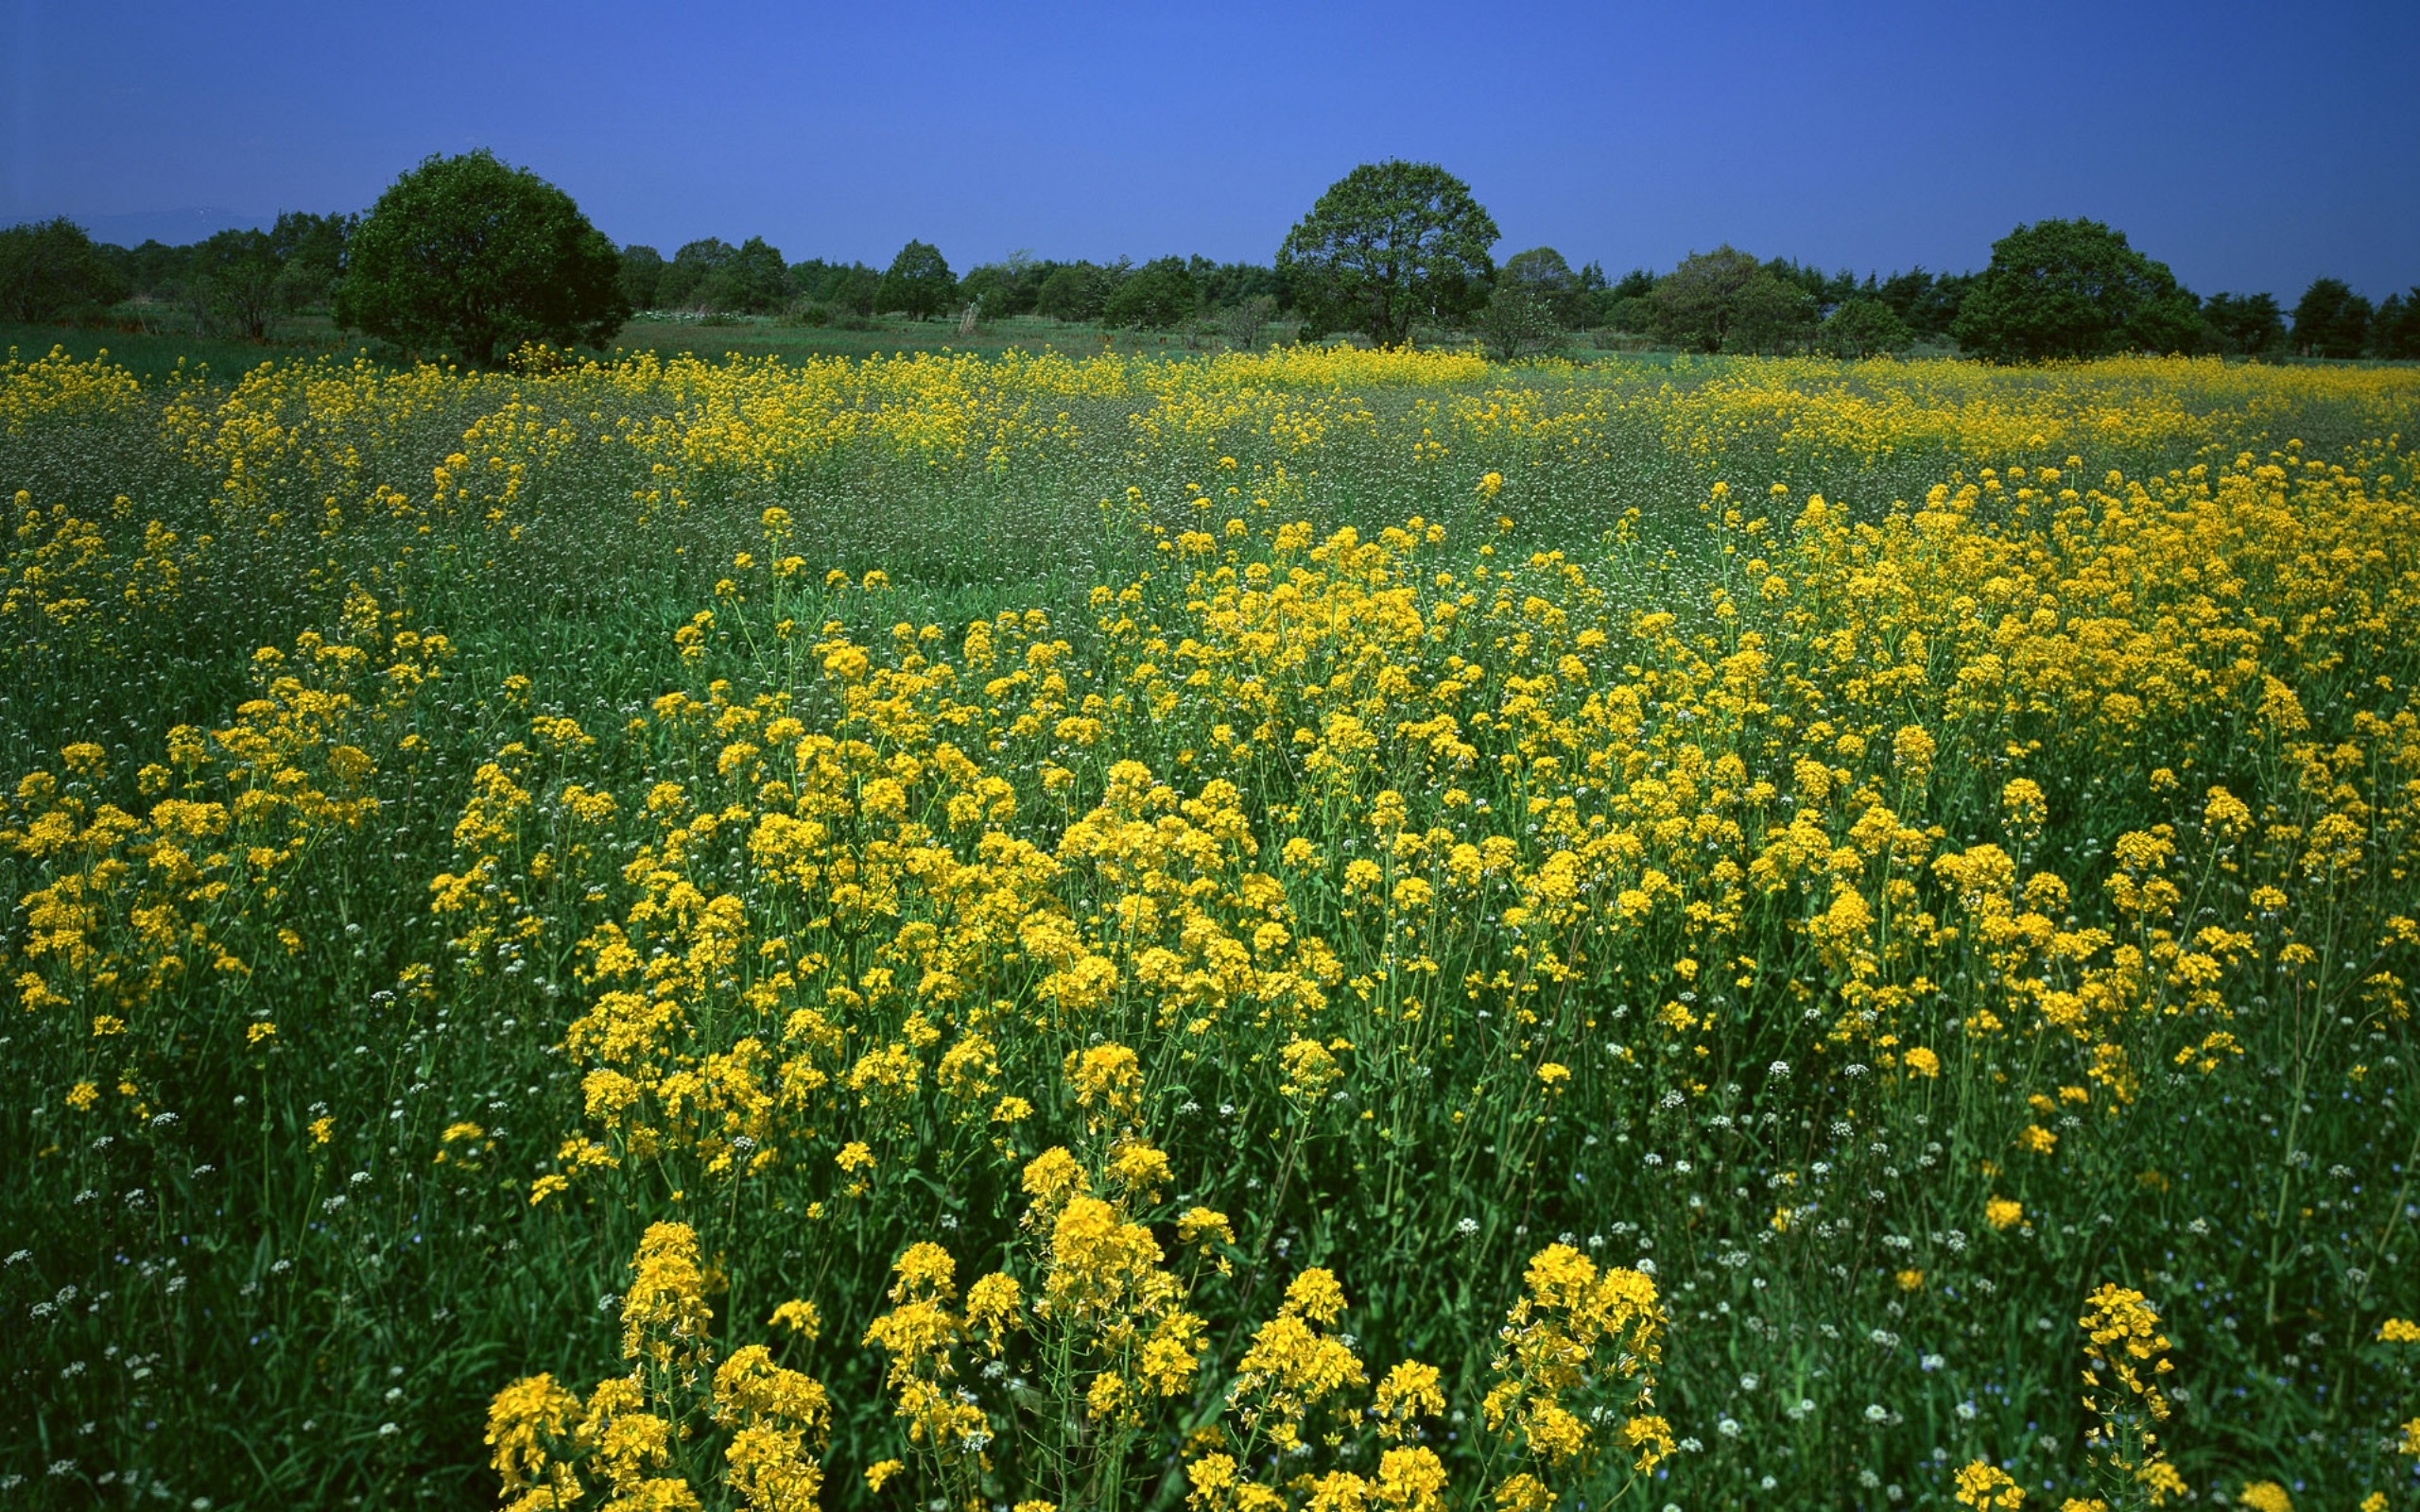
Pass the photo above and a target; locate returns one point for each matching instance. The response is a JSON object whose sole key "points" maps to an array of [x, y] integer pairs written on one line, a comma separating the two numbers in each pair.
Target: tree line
{"points": [[470, 255]]}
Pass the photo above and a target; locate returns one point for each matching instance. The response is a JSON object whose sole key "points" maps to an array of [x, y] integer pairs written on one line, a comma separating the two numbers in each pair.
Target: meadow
{"points": [[1325, 930]]}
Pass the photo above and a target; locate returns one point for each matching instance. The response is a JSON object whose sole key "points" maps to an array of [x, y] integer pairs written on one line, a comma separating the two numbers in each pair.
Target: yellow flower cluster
{"points": [[633, 1437]]}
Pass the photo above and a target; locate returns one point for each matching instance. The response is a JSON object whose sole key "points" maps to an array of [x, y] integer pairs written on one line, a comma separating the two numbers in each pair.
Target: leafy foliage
{"points": [[1389, 244], [2330, 320], [2070, 289], [52, 267], [918, 283], [469, 254]]}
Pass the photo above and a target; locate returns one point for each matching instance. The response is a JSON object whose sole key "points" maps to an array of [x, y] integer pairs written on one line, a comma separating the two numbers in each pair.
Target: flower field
{"points": [[1346, 930]]}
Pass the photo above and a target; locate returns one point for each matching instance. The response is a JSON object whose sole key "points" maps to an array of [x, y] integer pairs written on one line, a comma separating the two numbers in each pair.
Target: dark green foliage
{"points": [[642, 271], [753, 279], [1160, 293], [846, 287], [1518, 322], [684, 277], [1077, 291], [2395, 331], [1007, 287], [240, 281], [1226, 285], [310, 251], [1771, 314], [918, 283], [51, 268], [1864, 327], [2330, 320], [1696, 304], [1389, 244], [2242, 325], [1542, 274], [470, 254], [2070, 289]]}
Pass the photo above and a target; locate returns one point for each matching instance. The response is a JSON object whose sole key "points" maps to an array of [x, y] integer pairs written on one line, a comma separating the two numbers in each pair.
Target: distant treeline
{"points": [[238, 281]]}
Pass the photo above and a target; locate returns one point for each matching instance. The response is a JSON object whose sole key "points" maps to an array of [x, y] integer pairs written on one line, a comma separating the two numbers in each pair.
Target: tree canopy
{"points": [[1156, 296], [49, 269], [918, 283], [1388, 244], [2330, 320], [2073, 289], [469, 254]]}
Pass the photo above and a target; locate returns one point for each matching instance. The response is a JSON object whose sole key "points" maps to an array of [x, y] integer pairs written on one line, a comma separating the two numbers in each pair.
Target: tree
{"points": [[753, 278], [2242, 325], [1156, 296], [848, 287], [469, 254], [1695, 304], [917, 281], [640, 275], [1227, 286], [1518, 322], [1077, 291], [1864, 327], [683, 284], [310, 251], [241, 281], [2330, 320], [2073, 289], [2396, 332], [1005, 287], [1241, 322], [1542, 273], [51, 268], [1771, 314], [1388, 244]]}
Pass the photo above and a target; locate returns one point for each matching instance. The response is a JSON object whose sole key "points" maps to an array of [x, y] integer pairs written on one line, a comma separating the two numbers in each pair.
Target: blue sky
{"points": [[2249, 147]]}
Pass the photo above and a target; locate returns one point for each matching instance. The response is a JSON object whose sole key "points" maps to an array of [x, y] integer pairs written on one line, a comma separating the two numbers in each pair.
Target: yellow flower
{"points": [[1983, 1486], [2265, 1496], [2003, 1212], [797, 1316], [258, 1031], [881, 1472]]}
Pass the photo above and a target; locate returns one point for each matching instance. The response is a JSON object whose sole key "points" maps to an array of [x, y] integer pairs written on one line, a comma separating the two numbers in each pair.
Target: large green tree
{"points": [[1160, 293], [51, 268], [753, 279], [242, 281], [1389, 244], [2073, 289], [2395, 331], [2330, 320], [917, 281], [1697, 304], [469, 254], [1543, 275], [2242, 325], [1863, 326]]}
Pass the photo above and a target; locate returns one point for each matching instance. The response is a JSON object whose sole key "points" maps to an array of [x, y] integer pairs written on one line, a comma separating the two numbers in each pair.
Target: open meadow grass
{"points": [[1323, 930]]}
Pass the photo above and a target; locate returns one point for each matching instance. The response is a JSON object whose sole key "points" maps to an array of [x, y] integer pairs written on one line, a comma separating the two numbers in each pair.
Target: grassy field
{"points": [[1326, 929]]}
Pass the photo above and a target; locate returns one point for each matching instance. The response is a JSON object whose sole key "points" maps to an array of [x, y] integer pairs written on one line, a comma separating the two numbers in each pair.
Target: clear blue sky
{"points": [[2251, 146]]}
